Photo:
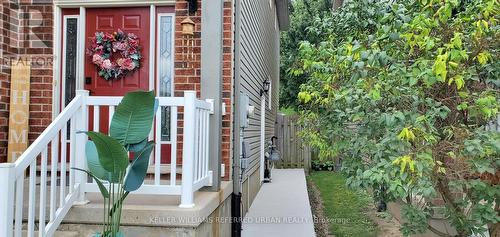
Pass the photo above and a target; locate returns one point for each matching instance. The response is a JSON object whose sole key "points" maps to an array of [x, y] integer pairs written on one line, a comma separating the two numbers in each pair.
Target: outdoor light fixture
{"points": [[193, 6], [188, 26], [271, 156], [265, 86], [187, 40], [188, 34]]}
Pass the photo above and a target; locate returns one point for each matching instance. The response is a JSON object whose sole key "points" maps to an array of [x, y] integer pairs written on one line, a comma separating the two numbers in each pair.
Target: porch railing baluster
{"points": [[71, 152]]}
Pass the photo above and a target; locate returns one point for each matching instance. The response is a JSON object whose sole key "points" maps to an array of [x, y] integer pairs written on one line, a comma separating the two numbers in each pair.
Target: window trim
{"points": [[270, 93]]}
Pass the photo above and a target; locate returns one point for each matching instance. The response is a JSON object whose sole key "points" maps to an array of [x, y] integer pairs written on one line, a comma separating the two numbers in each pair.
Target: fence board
{"points": [[294, 153]]}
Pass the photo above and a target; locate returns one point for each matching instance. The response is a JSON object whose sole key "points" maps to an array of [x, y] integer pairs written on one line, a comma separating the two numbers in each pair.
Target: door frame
{"points": [[111, 3], [57, 76], [262, 136]]}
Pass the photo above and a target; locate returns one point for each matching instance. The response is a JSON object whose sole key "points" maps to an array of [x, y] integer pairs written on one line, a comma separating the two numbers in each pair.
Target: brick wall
{"points": [[188, 75], [7, 22], [36, 43], [26, 32], [227, 85]]}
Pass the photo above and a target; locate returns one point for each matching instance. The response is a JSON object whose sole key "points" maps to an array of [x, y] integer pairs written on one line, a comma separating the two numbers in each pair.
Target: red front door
{"points": [[108, 20]]}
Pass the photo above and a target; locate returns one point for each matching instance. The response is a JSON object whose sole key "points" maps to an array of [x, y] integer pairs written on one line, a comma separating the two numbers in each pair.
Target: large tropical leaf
{"points": [[94, 165], [133, 117], [112, 155], [138, 169], [103, 189], [138, 146]]}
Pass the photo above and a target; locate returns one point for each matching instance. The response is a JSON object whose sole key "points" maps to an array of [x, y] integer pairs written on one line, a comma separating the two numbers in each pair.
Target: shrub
{"points": [[404, 90]]}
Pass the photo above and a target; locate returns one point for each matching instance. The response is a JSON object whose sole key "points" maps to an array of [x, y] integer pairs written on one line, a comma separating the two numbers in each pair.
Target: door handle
{"points": [[88, 80]]}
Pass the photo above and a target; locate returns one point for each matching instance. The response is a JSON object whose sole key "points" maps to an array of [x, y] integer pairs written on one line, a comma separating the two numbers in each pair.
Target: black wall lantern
{"points": [[265, 87], [193, 6]]}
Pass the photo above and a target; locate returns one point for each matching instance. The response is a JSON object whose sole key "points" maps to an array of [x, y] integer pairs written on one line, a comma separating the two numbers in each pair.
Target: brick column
{"points": [[227, 85]]}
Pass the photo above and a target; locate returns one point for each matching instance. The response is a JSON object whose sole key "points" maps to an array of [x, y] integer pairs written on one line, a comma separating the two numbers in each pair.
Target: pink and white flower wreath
{"points": [[104, 45]]}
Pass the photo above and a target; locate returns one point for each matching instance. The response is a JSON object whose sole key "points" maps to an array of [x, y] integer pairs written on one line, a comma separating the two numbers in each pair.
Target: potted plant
{"points": [[329, 165], [315, 165], [323, 166], [108, 156]]}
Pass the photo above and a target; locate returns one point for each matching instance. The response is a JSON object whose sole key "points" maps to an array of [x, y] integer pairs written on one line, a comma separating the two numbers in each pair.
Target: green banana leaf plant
{"points": [[108, 156]]}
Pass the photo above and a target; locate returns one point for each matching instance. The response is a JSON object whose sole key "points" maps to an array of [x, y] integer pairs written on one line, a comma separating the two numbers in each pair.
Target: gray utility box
{"points": [[244, 109], [245, 151]]}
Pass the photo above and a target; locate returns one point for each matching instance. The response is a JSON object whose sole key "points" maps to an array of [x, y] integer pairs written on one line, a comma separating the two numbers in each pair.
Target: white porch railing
{"points": [[60, 187]]}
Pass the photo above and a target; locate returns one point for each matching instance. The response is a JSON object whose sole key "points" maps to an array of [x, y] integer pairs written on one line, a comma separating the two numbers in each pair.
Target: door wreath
{"points": [[103, 47]]}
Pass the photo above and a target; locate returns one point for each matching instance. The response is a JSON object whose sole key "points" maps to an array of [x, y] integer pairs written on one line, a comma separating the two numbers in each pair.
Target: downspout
{"points": [[237, 178], [211, 80]]}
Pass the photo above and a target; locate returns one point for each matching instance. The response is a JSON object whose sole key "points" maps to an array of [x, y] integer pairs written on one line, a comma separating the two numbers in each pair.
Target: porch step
{"points": [[57, 234], [152, 210]]}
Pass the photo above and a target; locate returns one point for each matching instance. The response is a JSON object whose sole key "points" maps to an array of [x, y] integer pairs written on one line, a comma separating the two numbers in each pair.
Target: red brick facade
{"points": [[227, 84], [26, 31], [187, 77]]}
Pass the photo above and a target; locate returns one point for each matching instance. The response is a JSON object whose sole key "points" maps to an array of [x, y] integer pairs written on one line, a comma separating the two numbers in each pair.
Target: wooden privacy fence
{"points": [[294, 153]]}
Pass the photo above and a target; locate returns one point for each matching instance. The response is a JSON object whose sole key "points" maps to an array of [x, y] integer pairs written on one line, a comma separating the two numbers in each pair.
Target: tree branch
{"points": [[437, 232]]}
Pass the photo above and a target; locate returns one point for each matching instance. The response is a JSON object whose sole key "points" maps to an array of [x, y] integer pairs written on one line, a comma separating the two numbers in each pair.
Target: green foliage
{"points": [[138, 168], [416, 220], [131, 123], [303, 13], [403, 91], [108, 159], [112, 155], [94, 165], [101, 186], [288, 111]]}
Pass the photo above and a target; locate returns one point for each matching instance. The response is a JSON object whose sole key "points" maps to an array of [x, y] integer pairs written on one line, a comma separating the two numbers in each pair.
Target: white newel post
{"points": [[188, 150], [7, 181], [81, 140]]}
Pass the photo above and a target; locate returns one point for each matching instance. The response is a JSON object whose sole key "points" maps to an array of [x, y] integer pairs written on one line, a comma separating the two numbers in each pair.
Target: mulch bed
{"points": [[317, 208]]}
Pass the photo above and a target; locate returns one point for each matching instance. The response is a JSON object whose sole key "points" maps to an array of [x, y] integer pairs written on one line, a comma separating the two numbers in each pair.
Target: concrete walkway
{"points": [[281, 208]]}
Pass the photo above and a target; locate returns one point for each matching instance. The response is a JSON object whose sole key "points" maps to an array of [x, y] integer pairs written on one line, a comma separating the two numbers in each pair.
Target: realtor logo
{"points": [[34, 18]]}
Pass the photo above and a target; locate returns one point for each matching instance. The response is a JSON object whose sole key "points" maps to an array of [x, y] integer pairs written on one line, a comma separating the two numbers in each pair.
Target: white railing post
{"points": [[188, 151], [7, 181], [81, 140]]}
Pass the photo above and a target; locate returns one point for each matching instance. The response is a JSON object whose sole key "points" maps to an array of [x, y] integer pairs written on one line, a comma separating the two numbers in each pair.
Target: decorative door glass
{"points": [[70, 50], [165, 69], [70, 60]]}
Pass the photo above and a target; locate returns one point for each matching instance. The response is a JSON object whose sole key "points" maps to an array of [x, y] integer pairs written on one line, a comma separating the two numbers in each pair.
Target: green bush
{"points": [[404, 90]]}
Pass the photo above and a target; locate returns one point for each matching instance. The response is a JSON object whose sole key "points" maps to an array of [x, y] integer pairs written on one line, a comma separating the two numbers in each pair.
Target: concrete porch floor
{"points": [[138, 209], [281, 208]]}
